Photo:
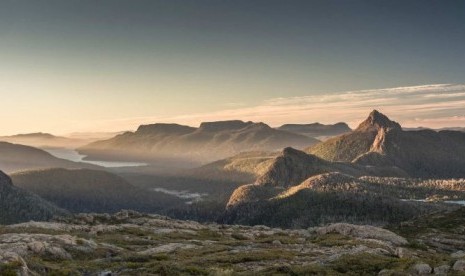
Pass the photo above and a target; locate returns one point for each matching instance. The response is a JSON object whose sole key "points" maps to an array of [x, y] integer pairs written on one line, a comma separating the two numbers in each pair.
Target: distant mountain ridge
{"points": [[317, 129], [34, 135], [15, 157], [42, 140], [210, 141]]}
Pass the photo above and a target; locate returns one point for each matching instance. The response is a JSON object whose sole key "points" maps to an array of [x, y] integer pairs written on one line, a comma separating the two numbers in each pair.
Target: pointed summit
{"points": [[377, 121]]}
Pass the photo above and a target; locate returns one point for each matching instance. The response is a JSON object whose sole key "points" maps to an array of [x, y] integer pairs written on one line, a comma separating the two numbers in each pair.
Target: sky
{"points": [[110, 65]]}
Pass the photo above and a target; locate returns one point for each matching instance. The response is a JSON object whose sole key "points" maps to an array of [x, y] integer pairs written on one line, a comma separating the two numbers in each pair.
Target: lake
{"points": [[459, 202], [73, 155]]}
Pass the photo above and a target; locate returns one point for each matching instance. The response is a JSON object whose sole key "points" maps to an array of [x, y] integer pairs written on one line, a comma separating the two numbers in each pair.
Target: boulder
{"points": [[422, 269], [459, 265], [457, 255], [363, 232], [442, 270]]}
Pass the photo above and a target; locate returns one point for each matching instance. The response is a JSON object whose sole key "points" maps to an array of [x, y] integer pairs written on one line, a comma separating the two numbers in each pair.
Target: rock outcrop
{"points": [[129, 243], [363, 232]]}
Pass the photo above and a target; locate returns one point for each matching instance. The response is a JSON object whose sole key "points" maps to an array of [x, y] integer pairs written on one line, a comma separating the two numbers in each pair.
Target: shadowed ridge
{"points": [[291, 167], [18, 205], [333, 181]]}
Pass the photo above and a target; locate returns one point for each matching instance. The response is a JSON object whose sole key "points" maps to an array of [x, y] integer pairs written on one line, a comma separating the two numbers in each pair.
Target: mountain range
{"points": [[354, 177], [331, 180], [211, 141], [378, 141], [317, 130]]}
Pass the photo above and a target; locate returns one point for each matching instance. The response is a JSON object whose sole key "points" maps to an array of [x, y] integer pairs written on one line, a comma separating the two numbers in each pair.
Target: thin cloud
{"points": [[434, 105]]}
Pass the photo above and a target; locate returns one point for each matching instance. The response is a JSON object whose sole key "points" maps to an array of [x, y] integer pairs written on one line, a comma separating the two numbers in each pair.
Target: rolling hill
{"points": [[84, 190], [14, 157], [321, 199], [209, 142], [300, 190], [18, 205]]}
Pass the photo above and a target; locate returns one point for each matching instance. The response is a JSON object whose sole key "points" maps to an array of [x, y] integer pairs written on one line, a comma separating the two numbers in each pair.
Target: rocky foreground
{"points": [[129, 243]]}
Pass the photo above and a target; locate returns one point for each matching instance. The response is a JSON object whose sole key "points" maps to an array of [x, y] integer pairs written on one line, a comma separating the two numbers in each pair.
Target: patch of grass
{"points": [[367, 264], [31, 230], [249, 256], [239, 236], [300, 270], [414, 244], [10, 269], [145, 258], [332, 239]]}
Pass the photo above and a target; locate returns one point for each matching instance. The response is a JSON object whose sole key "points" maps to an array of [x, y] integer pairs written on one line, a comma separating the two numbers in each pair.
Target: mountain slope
{"points": [[211, 141], [290, 168], [317, 129], [18, 205], [14, 157], [331, 197], [83, 190], [379, 141]]}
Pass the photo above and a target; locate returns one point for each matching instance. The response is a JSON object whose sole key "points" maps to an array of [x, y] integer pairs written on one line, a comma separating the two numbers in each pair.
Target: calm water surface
{"points": [[73, 155]]}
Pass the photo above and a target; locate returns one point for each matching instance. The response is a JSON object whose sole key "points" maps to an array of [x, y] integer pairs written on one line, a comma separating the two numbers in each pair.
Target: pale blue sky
{"points": [[79, 64]]}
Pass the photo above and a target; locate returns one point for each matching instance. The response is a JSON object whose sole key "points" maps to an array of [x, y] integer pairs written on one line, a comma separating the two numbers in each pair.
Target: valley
{"points": [[232, 138], [252, 203]]}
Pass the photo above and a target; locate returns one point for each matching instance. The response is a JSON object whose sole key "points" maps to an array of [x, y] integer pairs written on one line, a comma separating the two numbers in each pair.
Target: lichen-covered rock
{"points": [[422, 269], [459, 265], [458, 254], [442, 270], [167, 248], [363, 232]]}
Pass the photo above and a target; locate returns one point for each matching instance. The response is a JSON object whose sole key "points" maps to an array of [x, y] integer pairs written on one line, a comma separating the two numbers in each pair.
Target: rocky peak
{"points": [[164, 128], [377, 121]]}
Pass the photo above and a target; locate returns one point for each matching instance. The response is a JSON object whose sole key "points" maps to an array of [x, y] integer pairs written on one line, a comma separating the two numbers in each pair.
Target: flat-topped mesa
{"points": [[377, 121], [164, 128], [224, 125]]}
